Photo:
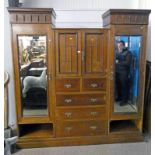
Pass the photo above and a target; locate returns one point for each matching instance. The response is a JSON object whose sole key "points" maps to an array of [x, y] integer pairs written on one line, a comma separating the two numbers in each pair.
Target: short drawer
{"points": [[94, 84], [81, 113], [81, 128], [81, 99], [67, 85]]}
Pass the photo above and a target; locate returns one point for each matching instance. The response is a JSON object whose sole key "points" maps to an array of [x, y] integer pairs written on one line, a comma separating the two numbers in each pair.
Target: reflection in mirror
{"points": [[127, 49], [32, 63]]}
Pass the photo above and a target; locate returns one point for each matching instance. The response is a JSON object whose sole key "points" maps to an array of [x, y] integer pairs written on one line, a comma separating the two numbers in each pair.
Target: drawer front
{"points": [[67, 85], [81, 128], [94, 84], [81, 113], [82, 99]]}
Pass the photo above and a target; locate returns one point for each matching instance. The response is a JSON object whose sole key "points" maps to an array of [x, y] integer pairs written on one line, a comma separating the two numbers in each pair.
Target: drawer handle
{"points": [[93, 127], [93, 100], [68, 100], [94, 85], [68, 114], [94, 113], [68, 129], [67, 85]]}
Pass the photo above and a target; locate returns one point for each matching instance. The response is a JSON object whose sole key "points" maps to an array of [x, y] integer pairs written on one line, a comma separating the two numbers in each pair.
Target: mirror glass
{"points": [[127, 51], [33, 78]]}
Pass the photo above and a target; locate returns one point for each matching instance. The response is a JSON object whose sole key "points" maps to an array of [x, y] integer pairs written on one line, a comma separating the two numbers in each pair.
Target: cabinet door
{"points": [[33, 72], [127, 64], [67, 52], [94, 54]]}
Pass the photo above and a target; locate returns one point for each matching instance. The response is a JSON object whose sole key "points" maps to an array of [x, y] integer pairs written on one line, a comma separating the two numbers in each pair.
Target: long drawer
{"points": [[68, 85], [81, 113], [81, 128], [94, 84], [80, 99]]}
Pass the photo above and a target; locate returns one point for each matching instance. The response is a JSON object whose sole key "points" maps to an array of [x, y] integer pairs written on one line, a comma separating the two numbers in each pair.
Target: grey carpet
{"points": [[140, 148]]}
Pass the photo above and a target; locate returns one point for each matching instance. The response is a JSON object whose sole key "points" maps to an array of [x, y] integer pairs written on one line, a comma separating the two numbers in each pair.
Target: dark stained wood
{"points": [[125, 17], [32, 15], [94, 52], [67, 56]]}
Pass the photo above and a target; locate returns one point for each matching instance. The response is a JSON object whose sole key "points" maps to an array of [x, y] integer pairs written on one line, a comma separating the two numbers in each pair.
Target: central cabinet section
{"points": [[81, 82]]}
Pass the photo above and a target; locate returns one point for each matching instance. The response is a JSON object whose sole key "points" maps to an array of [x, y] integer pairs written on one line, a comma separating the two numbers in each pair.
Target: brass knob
{"points": [[68, 100], [94, 85], [93, 100], [68, 114], [67, 85]]}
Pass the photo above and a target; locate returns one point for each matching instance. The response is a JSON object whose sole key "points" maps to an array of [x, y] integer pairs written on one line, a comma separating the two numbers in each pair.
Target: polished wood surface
{"points": [[81, 128], [93, 84], [127, 22], [94, 52], [80, 99], [80, 77], [67, 84], [32, 15], [79, 64], [29, 30], [126, 17], [67, 55], [81, 113]]}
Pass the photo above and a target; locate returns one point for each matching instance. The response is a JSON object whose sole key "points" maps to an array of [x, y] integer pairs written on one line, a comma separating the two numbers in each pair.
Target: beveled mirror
{"points": [[127, 54], [33, 78]]}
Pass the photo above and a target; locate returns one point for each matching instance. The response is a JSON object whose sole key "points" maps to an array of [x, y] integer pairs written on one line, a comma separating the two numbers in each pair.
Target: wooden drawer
{"points": [[94, 84], [81, 113], [67, 85], [81, 99], [81, 128]]}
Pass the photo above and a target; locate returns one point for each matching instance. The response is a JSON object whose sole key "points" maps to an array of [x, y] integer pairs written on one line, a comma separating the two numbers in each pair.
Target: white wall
{"points": [[146, 4], [81, 13], [70, 13], [8, 65]]}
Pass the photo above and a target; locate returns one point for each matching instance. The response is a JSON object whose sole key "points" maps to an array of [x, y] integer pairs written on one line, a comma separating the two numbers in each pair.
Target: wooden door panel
{"points": [[95, 52], [67, 55]]}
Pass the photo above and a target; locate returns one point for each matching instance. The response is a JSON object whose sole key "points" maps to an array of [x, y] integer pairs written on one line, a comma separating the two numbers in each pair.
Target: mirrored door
{"points": [[127, 55], [32, 52]]}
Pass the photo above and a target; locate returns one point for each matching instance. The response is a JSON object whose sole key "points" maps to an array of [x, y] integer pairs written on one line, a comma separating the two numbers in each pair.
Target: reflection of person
{"points": [[123, 59]]}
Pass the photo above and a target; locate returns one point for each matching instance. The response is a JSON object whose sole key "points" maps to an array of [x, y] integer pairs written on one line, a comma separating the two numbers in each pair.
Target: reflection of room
{"points": [[32, 58], [132, 45]]}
